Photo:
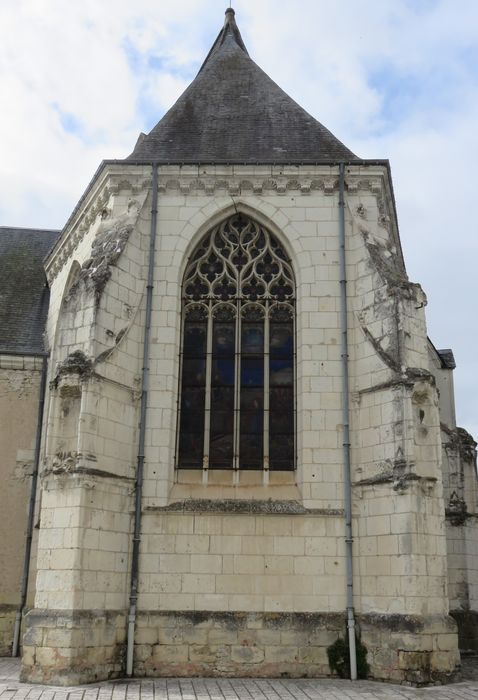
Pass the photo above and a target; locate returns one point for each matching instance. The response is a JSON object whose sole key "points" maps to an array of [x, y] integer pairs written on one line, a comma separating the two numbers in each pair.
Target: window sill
{"points": [[221, 484]]}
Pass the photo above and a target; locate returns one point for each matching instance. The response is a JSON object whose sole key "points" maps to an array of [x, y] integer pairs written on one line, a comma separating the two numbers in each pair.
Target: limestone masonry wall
{"points": [[239, 573], [19, 395]]}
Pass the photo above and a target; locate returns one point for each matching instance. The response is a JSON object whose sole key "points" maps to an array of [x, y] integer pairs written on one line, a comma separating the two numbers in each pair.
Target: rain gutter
{"points": [[31, 506], [133, 598], [346, 428]]}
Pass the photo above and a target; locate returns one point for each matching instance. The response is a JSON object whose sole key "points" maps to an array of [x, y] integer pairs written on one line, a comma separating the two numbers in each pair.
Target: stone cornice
{"points": [[280, 185], [213, 180], [94, 206]]}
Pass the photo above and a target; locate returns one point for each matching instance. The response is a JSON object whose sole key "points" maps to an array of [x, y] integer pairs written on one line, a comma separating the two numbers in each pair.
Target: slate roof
{"points": [[447, 358], [24, 294], [233, 112]]}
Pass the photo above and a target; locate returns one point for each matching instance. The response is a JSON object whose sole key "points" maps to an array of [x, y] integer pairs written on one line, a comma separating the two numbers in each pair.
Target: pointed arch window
{"points": [[237, 402]]}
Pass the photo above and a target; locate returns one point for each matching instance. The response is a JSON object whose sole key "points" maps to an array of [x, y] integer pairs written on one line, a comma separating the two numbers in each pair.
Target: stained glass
{"points": [[252, 399], [191, 450], [223, 372], [192, 421], [221, 451], [251, 451], [281, 400], [281, 372], [252, 339], [252, 371], [194, 339], [194, 371], [238, 279], [281, 422], [223, 338], [192, 398], [222, 422], [252, 422], [222, 398], [281, 452], [281, 340]]}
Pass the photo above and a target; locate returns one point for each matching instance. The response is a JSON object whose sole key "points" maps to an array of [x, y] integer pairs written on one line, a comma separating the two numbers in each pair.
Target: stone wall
{"points": [[222, 552], [67, 647], [237, 644], [19, 395], [411, 649], [401, 648], [461, 503], [250, 562]]}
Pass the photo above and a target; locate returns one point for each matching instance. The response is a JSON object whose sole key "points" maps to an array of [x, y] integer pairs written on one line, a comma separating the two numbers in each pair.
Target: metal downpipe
{"points": [[31, 513], [133, 598], [346, 427]]}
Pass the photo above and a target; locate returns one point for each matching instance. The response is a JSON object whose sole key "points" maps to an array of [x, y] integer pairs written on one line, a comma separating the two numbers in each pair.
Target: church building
{"points": [[227, 445]]}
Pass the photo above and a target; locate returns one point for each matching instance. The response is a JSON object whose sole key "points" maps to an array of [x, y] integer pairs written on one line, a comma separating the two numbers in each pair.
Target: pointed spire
{"points": [[230, 29], [233, 112]]}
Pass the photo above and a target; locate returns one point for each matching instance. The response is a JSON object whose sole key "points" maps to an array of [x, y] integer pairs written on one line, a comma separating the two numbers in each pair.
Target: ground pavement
{"points": [[235, 689]]}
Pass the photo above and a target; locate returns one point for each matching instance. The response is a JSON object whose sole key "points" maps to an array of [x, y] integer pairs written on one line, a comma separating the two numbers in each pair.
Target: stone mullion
{"points": [[266, 395], [207, 397], [237, 391]]}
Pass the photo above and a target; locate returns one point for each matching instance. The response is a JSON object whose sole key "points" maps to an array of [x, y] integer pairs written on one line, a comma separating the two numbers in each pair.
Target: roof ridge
{"points": [[230, 28], [29, 228]]}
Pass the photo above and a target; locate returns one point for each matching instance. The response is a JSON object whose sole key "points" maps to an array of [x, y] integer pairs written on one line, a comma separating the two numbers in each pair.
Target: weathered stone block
{"points": [[247, 655], [313, 655], [222, 636], [205, 653], [170, 654], [277, 654]]}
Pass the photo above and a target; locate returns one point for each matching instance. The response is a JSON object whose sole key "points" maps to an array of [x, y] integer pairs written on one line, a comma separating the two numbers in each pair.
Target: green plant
{"points": [[339, 658]]}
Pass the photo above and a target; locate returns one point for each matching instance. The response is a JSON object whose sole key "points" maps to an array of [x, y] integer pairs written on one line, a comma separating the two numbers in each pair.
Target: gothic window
{"points": [[237, 407]]}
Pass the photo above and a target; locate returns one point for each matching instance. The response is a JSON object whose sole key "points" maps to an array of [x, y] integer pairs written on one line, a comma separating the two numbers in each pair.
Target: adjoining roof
{"points": [[447, 358], [233, 112], [24, 294]]}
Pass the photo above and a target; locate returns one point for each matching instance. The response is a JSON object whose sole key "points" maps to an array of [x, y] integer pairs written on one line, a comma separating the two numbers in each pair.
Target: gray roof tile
{"points": [[24, 293], [233, 112]]}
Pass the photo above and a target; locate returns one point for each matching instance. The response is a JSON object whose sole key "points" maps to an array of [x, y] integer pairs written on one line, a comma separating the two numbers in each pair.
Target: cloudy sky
{"points": [[393, 79]]}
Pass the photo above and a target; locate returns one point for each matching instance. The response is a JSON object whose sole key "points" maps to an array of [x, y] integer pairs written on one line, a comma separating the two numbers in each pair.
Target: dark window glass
{"points": [[252, 339], [194, 339], [223, 339], [251, 451], [281, 399], [281, 452], [281, 422], [192, 421], [252, 372], [222, 407], [281, 340], [191, 450], [222, 422], [222, 395], [222, 398], [282, 372], [252, 422], [221, 451], [223, 372], [194, 371], [252, 399], [192, 398]]}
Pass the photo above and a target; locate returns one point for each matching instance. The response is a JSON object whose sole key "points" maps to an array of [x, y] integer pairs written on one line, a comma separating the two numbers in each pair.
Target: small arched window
{"points": [[237, 407]]}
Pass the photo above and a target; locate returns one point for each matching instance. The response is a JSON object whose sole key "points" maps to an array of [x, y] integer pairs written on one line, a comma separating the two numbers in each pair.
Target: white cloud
{"points": [[396, 78]]}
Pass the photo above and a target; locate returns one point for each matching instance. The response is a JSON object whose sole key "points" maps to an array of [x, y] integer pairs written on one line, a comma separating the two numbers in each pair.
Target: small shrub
{"points": [[339, 658]]}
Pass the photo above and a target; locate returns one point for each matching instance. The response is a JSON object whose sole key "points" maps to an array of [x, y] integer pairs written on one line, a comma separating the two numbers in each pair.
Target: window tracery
{"points": [[237, 407]]}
